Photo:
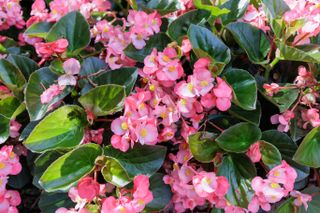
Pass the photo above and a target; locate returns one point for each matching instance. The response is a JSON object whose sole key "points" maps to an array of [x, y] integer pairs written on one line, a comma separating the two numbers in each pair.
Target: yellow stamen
{"points": [[171, 68], [124, 126], [143, 132], [204, 83], [274, 185], [2, 165], [165, 58], [152, 88], [190, 87]]}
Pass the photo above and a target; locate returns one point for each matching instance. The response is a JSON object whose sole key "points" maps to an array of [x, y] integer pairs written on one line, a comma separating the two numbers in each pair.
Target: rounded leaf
{"points": [[239, 137], [70, 168], [61, 129]]}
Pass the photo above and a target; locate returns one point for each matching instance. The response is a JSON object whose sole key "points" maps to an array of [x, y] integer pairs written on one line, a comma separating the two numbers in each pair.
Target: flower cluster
{"points": [[10, 14], [279, 183], [155, 105], [307, 104], [130, 200], [138, 27], [256, 17], [9, 165]]}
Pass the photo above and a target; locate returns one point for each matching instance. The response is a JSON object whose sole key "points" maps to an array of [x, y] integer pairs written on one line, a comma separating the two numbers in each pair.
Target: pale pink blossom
{"points": [[49, 94], [254, 152], [301, 199]]}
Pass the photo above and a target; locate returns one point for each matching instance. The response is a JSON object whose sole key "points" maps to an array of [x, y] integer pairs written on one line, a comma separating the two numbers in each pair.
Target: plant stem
{"points": [[269, 67], [215, 126]]}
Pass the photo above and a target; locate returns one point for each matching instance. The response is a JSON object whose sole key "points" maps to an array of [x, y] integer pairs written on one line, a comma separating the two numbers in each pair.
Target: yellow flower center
{"points": [[163, 115], [277, 173], [124, 126], [171, 69], [2, 165], [183, 102], [190, 87], [204, 83], [165, 58], [143, 132], [275, 185], [152, 88]]}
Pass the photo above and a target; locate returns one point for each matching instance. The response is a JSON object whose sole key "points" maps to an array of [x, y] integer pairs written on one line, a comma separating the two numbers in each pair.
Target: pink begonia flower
{"points": [[283, 174], [254, 152], [256, 17], [207, 183], [46, 50], [92, 135], [147, 133], [9, 162], [304, 78], [49, 94], [11, 15], [3, 183], [88, 188], [14, 128], [141, 193], [310, 116], [283, 120], [71, 68], [186, 46], [75, 197], [223, 92], [150, 63], [120, 142], [271, 89], [301, 199], [13, 197]]}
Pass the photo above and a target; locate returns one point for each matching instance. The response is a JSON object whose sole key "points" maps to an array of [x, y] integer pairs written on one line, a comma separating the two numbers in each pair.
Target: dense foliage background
{"points": [[159, 105]]}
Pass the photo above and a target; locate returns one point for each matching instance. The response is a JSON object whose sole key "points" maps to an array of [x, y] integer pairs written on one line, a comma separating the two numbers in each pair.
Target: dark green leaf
{"points": [[42, 163], [179, 27], [239, 137], [158, 41], [270, 155], [206, 44], [203, 146], [306, 53], [70, 168], [139, 160], [252, 116], [161, 193], [50, 202], [308, 151], [162, 6], [20, 180], [92, 65], [114, 173], [252, 40], [104, 100], [239, 171], [284, 98], [61, 129], [74, 28], [244, 88], [275, 8], [35, 87], [39, 29], [4, 128], [25, 64], [125, 76], [237, 8], [11, 76]]}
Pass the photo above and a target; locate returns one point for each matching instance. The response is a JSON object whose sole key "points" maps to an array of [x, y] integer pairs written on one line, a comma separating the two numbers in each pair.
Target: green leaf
{"points": [[35, 87], [286, 206], [252, 40], [11, 76], [158, 41], [104, 100], [239, 171], [287, 149], [275, 8], [114, 173], [284, 98], [270, 155], [206, 44], [23, 178], [179, 27], [203, 146], [215, 11], [9, 109], [42, 163], [50, 202], [4, 128], [308, 151], [162, 6], [56, 66], [25, 64], [39, 29], [70, 168], [74, 28], [161, 193], [244, 88], [139, 160], [306, 53], [92, 65], [238, 8], [125, 76], [252, 116], [239, 137], [61, 129]]}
